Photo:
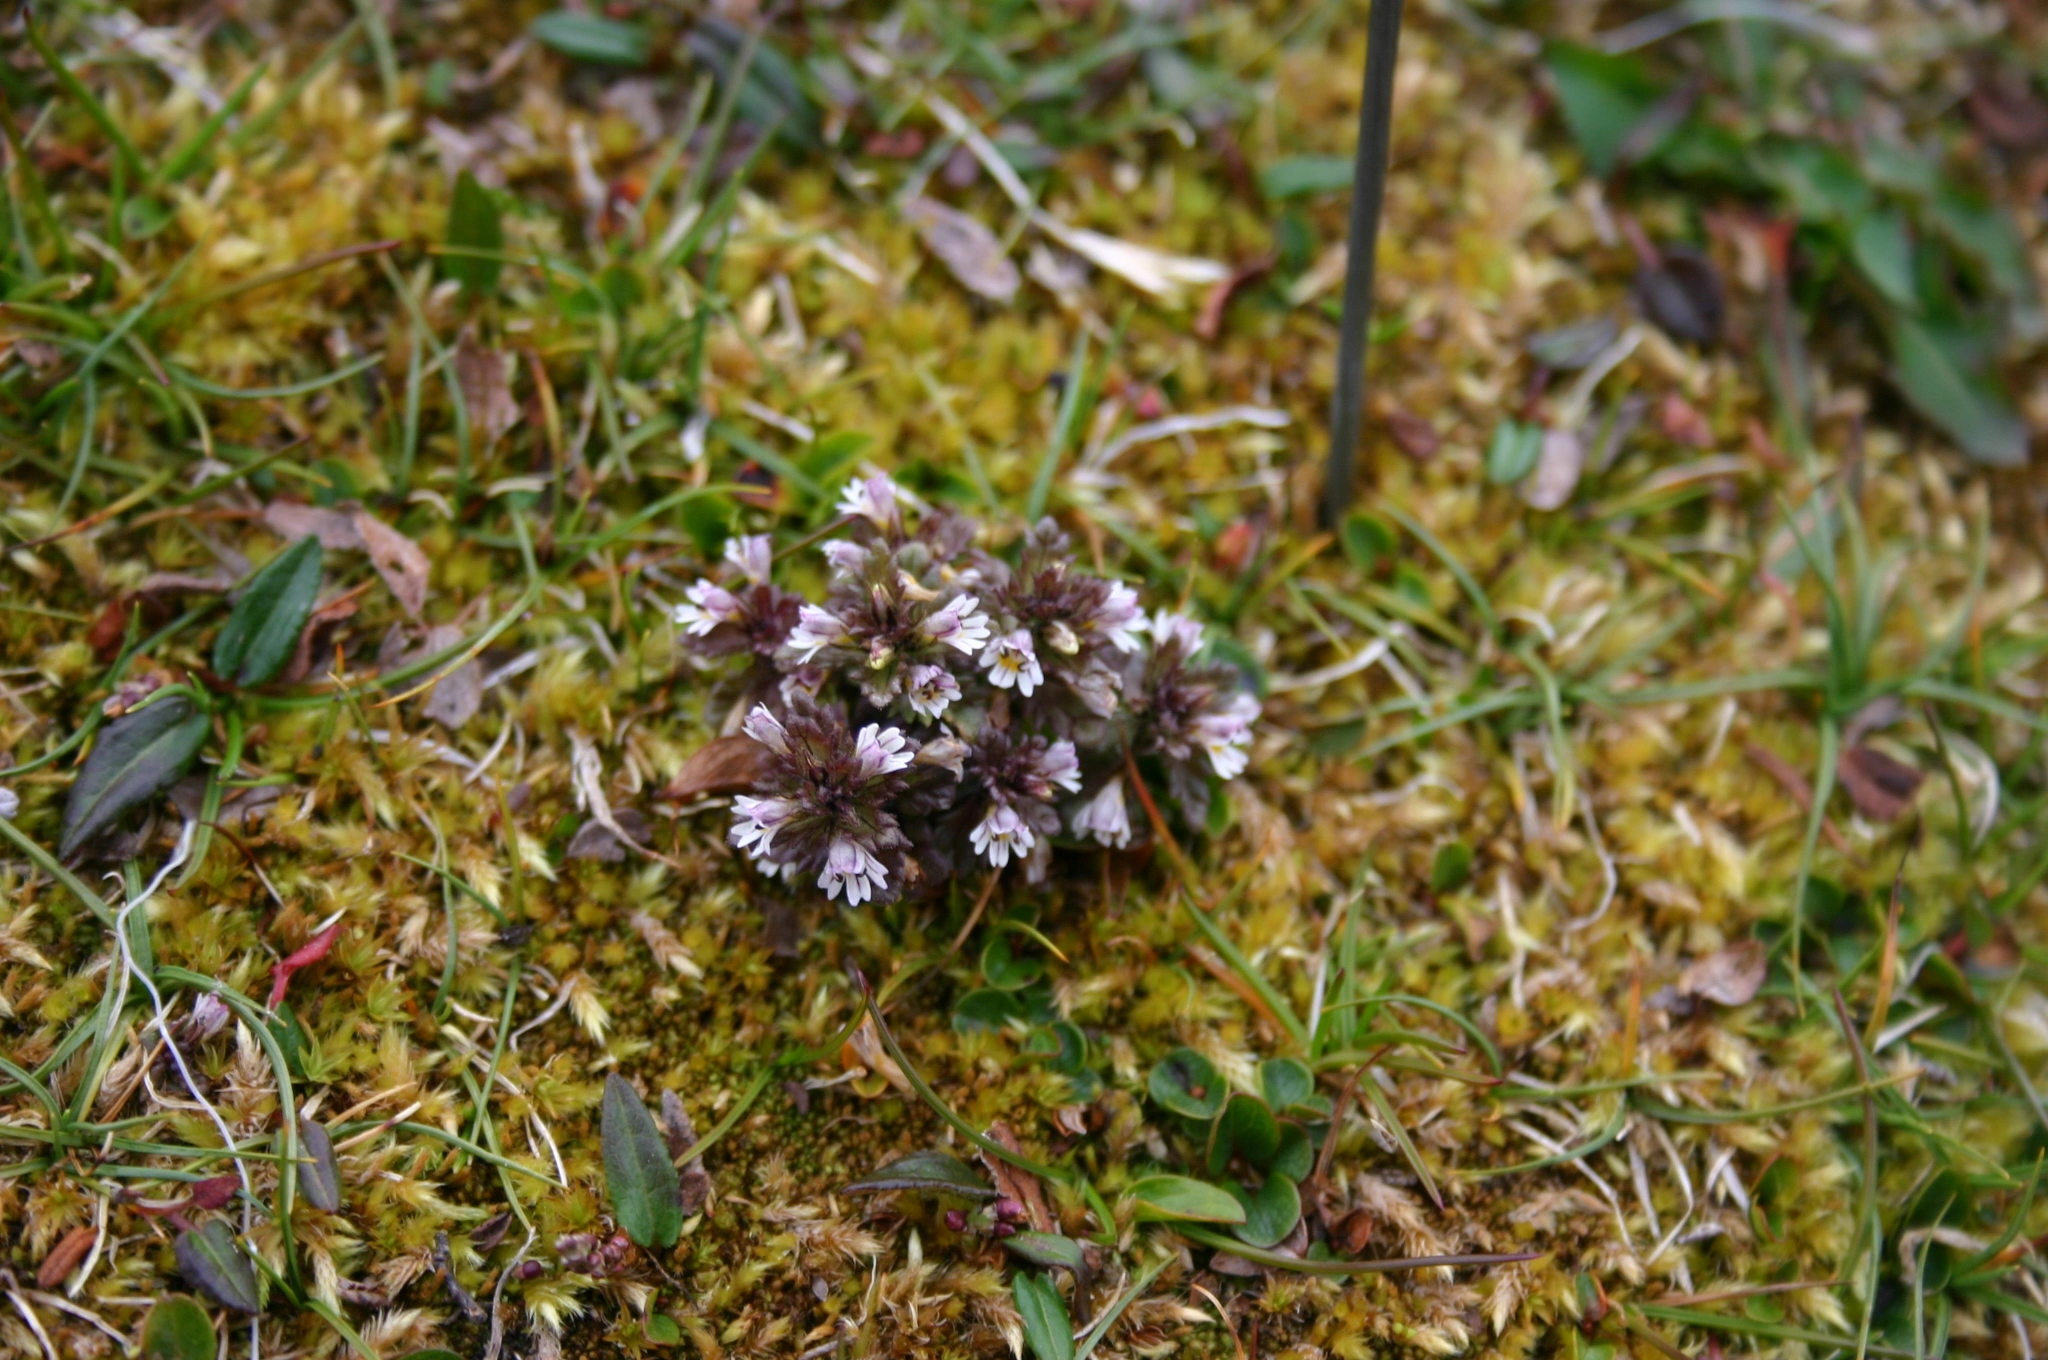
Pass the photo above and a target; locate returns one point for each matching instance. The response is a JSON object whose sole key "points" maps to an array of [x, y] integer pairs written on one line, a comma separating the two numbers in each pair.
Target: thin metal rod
{"points": [[1368, 188]]}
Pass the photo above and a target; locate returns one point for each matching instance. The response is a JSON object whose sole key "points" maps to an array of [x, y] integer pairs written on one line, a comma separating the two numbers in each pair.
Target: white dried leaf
{"points": [[967, 248]]}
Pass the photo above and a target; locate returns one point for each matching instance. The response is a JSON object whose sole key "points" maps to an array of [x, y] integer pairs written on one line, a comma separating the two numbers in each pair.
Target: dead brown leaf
{"points": [[336, 529], [1413, 435], [725, 766], [1016, 1184], [681, 1135], [399, 560], [485, 377], [1728, 976], [967, 248], [65, 1256], [1881, 786]]}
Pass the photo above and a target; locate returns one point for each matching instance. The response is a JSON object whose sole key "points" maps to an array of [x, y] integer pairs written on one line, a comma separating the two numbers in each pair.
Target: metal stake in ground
{"points": [[1368, 186]]}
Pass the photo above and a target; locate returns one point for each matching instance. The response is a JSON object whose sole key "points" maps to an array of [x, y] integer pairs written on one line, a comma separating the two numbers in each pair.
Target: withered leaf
{"points": [[1413, 435], [399, 560], [1557, 470], [65, 1256], [1728, 976], [485, 376], [681, 1136], [1682, 293], [725, 766], [1881, 786], [967, 248]]}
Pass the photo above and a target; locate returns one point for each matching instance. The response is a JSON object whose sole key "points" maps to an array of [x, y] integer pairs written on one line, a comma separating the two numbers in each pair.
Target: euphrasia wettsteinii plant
{"points": [[942, 706]]}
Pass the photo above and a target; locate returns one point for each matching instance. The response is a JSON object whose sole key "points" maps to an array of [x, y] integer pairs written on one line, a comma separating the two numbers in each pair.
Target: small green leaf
{"points": [[1567, 348], [662, 1330], [1451, 867], [1968, 407], [211, 1260], [1046, 1327], [1602, 98], [1247, 1129], [1513, 453], [1884, 252], [1186, 1083], [473, 226], [177, 1328], [590, 37], [1166, 1198], [1983, 230], [1297, 1155], [1296, 176], [1003, 969], [138, 755], [264, 627], [1048, 1249], [646, 1195], [319, 1176], [1367, 539], [1287, 1082], [989, 1009], [931, 1172], [1270, 1214], [436, 1353]]}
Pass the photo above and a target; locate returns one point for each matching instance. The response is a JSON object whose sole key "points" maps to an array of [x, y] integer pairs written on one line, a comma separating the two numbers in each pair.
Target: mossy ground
{"points": [[1580, 711]]}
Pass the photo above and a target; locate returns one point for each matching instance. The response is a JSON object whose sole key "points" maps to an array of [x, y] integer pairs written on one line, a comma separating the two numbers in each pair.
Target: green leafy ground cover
{"points": [[1639, 865]]}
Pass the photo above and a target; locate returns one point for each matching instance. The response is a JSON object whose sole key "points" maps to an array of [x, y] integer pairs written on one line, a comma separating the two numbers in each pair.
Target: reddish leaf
{"points": [[312, 951], [215, 1192], [1413, 435], [65, 1256]]}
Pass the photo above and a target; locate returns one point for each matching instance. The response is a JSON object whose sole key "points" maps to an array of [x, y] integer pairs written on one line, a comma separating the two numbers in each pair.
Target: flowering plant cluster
{"points": [[942, 705]]}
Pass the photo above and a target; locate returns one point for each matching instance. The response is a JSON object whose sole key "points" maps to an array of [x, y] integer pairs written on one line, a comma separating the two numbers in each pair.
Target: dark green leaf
{"points": [[1186, 1083], [177, 1328], [1297, 1155], [589, 37], [137, 755], [1165, 1198], [211, 1260], [436, 1353], [1968, 407], [1367, 539], [319, 1177], [1513, 453], [1602, 98], [989, 1009], [475, 233], [1823, 184], [1452, 866], [1299, 175], [931, 1172], [662, 1330], [1048, 1249], [1984, 230], [647, 1197], [263, 629], [1883, 250], [1287, 1082], [1002, 969], [1270, 1214], [1046, 1327], [1247, 1129], [1683, 294]]}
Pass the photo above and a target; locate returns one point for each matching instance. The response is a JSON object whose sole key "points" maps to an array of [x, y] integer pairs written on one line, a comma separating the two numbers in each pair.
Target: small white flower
{"points": [[709, 605], [763, 727], [10, 801], [1059, 767], [931, 689], [1120, 619], [1012, 660], [1225, 735], [871, 498], [756, 821], [1168, 626], [1105, 817], [753, 554], [844, 557], [815, 630], [853, 867], [959, 624], [879, 750], [1000, 834]]}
